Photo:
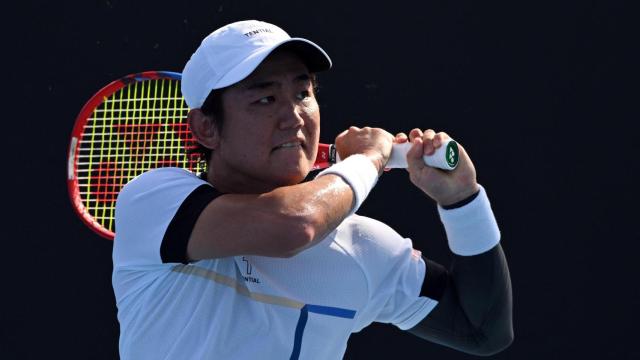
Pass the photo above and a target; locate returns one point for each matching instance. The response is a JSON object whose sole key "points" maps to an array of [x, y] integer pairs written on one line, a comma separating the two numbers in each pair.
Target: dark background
{"points": [[541, 95]]}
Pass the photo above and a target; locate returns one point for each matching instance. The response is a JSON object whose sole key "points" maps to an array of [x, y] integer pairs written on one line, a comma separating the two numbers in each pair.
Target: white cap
{"points": [[234, 51]]}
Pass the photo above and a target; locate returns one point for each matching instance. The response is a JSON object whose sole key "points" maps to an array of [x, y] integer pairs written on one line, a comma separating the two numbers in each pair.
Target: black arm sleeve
{"points": [[176, 238], [474, 311]]}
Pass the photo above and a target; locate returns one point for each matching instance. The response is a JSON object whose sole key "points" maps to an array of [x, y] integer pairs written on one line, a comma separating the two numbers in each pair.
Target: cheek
{"points": [[310, 109], [241, 138], [311, 112]]}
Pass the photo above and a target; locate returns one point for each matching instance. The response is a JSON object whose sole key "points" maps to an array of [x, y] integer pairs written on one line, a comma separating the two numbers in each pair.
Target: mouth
{"points": [[297, 144]]}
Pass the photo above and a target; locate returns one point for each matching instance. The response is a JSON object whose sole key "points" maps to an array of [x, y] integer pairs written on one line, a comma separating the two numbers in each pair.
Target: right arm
{"points": [[289, 219], [279, 223]]}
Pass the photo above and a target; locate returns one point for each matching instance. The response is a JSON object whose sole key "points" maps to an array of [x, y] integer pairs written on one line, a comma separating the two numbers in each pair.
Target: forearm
{"points": [[315, 207], [474, 295], [279, 223], [334, 194], [283, 222], [474, 312]]}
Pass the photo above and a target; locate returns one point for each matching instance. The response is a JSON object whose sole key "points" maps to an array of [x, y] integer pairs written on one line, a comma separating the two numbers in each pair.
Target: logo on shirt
{"points": [[249, 269]]}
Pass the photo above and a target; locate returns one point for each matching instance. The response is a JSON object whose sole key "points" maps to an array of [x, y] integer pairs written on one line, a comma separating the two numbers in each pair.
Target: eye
{"points": [[303, 95], [266, 100]]}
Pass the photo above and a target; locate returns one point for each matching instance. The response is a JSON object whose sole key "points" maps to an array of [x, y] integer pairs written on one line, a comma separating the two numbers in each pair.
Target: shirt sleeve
{"points": [[395, 273], [145, 209]]}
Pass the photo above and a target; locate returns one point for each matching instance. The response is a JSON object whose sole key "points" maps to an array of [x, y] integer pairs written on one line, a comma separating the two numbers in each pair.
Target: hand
{"points": [[374, 143], [445, 187]]}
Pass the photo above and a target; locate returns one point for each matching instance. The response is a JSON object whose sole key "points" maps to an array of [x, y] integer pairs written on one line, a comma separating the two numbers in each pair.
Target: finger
{"points": [[415, 133], [429, 134], [414, 155], [427, 138], [439, 139], [401, 138]]}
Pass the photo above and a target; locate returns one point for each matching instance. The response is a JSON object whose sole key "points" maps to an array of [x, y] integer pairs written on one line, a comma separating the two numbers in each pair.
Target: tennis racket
{"points": [[138, 123]]}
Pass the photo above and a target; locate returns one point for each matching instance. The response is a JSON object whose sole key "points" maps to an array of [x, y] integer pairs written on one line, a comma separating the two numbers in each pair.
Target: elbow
{"points": [[297, 236], [493, 345], [297, 225]]}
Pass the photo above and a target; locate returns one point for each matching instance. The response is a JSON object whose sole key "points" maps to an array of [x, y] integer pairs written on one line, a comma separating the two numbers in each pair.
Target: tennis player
{"points": [[249, 261]]}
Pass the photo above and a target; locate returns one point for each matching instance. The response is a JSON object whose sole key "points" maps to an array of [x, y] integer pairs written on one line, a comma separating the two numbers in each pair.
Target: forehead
{"points": [[279, 64]]}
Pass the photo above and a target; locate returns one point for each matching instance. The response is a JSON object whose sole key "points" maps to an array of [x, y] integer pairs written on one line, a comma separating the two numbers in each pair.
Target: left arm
{"points": [[474, 308], [474, 311]]}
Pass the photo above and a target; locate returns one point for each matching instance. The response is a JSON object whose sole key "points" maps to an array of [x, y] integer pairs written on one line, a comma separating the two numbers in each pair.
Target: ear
{"points": [[203, 129]]}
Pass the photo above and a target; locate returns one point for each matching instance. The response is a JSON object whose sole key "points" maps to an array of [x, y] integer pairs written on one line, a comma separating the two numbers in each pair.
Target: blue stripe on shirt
{"points": [[302, 322]]}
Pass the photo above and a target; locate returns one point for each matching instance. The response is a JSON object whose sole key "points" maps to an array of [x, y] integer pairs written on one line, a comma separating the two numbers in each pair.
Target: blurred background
{"points": [[541, 94]]}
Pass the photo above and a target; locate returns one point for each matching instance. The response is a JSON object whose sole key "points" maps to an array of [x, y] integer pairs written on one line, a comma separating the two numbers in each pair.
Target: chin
{"points": [[296, 174], [295, 178]]}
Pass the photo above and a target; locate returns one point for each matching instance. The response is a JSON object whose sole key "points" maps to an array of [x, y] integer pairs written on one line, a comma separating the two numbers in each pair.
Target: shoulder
{"points": [[366, 225], [156, 189], [366, 235], [144, 209], [162, 177], [166, 182], [393, 269]]}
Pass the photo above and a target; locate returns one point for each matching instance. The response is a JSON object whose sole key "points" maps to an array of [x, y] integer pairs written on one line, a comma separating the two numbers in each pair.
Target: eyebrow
{"points": [[261, 85]]}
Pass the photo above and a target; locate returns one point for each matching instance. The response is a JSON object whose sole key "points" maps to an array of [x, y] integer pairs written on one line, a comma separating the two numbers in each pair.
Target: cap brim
{"points": [[311, 54]]}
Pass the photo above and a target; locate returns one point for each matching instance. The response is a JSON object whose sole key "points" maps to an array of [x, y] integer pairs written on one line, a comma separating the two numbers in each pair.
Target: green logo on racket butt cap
{"points": [[445, 157], [452, 154]]}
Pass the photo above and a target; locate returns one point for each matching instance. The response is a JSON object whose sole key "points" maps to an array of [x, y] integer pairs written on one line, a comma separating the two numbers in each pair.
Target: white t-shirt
{"points": [[253, 307]]}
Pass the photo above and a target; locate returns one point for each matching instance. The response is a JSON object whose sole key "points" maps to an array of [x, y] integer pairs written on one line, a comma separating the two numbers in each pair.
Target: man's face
{"points": [[271, 128]]}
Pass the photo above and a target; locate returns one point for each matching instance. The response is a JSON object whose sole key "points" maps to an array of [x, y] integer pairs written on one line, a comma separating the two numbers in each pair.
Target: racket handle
{"points": [[445, 157]]}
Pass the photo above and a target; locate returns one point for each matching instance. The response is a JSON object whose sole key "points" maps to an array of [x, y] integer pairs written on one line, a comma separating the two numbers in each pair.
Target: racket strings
{"points": [[139, 127]]}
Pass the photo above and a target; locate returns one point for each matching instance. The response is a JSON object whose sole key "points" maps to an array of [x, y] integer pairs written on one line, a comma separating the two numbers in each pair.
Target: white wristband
{"points": [[471, 229], [357, 171]]}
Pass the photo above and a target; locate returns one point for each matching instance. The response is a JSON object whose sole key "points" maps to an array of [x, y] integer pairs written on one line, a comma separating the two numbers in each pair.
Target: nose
{"points": [[291, 116]]}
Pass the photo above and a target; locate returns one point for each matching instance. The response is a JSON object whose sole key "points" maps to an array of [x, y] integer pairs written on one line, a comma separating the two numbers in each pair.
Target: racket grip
{"points": [[445, 157]]}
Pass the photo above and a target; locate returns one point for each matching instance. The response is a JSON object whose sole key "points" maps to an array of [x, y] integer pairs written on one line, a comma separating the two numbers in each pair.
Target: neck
{"points": [[229, 184]]}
